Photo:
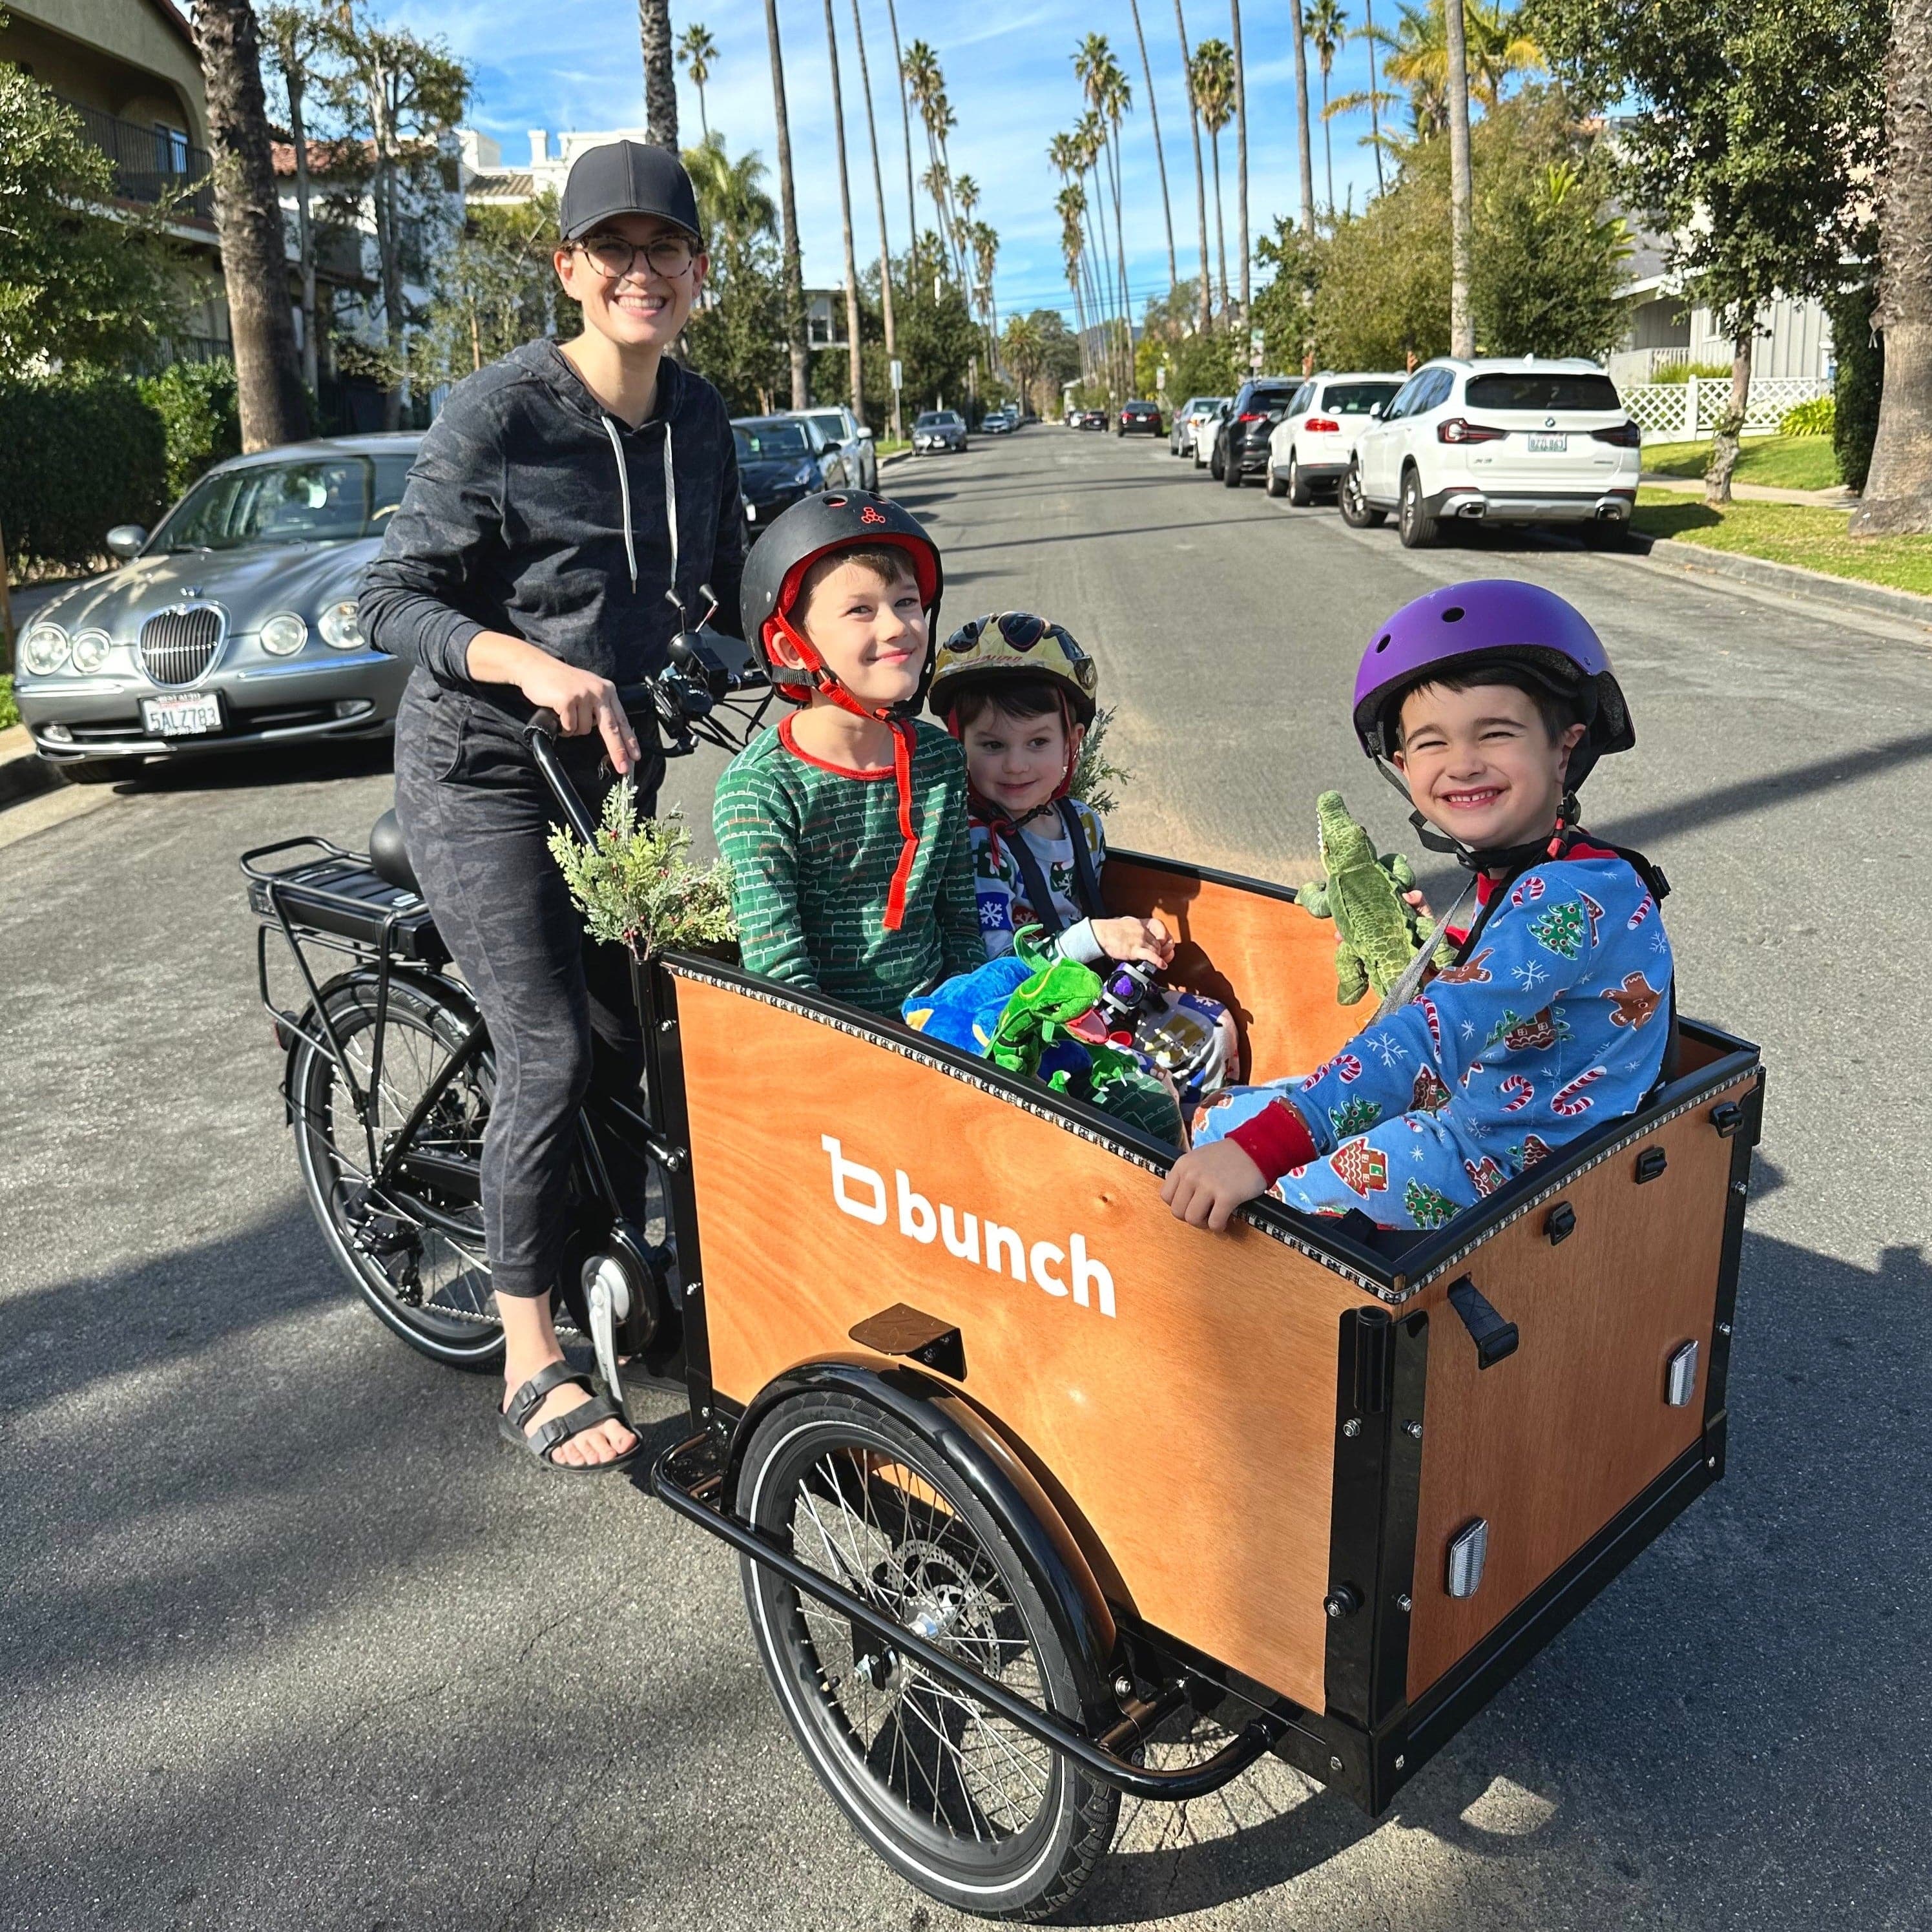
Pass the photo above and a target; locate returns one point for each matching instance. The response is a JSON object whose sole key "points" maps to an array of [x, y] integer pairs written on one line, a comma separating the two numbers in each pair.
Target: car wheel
{"points": [[1299, 494], [1275, 487], [1230, 471], [1214, 462], [1417, 523], [1355, 508]]}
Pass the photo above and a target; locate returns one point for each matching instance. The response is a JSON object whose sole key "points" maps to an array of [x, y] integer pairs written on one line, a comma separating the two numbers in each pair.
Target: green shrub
{"points": [[1860, 376], [1815, 417], [1682, 372], [10, 712], [196, 403], [80, 452]]}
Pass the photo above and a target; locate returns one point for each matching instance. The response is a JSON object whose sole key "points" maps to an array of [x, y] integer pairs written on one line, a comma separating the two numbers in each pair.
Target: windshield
{"points": [[1356, 399], [829, 426], [766, 442], [930, 420], [1537, 391], [328, 500]]}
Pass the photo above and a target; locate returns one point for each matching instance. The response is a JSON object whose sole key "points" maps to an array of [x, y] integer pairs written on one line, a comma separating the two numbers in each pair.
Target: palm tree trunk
{"points": [[1241, 149], [1328, 149], [1301, 127], [853, 350], [1207, 315], [1375, 113], [703, 120], [297, 79], [1220, 224], [1898, 491], [1126, 300], [905, 119], [885, 241], [1160, 154], [248, 218], [1462, 328], [794, 277], [660, 74], [1730, 427]]}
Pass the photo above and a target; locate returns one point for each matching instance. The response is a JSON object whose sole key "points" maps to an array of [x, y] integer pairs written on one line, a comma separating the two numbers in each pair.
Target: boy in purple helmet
{"points": [[1491, 700]]}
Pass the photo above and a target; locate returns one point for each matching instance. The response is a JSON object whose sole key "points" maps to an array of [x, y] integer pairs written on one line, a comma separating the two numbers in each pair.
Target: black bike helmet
{"points": [[811, 530]]}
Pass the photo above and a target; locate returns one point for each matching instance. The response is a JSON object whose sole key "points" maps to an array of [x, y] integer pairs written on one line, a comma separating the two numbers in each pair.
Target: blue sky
{"points": [[575, 64]]}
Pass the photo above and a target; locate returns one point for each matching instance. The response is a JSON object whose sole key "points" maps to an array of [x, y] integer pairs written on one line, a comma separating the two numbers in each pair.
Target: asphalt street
{"points": [[287, 1639]]}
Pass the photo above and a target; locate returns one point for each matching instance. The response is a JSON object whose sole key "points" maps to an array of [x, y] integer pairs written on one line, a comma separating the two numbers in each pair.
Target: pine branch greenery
{"points": [[636, 885], [1095, 775]]}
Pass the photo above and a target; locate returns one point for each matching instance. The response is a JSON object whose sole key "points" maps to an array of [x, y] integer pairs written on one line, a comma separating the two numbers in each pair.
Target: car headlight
{"points": [[340, 627], [44, 649], [90, 650], [284, 634], [805, 474]]}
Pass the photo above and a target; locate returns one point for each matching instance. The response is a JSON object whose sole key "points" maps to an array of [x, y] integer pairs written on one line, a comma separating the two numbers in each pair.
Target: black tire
{"points": [[1277, 488], [1357, 511], [1415, 521], [1230, 471], [1012, 1831], [1299, 494], [98, 771], [427, 1280], [1214, 460]]}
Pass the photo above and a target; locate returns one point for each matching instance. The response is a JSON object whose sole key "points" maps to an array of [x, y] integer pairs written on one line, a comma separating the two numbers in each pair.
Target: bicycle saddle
{"points": [[387, 858]]}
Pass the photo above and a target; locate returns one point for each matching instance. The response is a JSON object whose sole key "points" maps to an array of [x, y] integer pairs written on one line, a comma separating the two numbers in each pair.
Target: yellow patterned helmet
{"points": [[1014, 644]]}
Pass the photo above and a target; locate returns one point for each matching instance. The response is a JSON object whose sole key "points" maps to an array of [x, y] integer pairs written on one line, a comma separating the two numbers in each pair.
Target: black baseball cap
{"points": [[626, 178]]}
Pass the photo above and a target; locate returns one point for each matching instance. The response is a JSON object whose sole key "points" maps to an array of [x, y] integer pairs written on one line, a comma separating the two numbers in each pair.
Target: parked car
{"points": [[1520, 440], [1143, 418], [1186, 420], [232, 625], [1309, 449], [938, 429], [847, 452], [778, 464], [1001, 422], [1206, 427], [1240, 439], [1086, 419]]}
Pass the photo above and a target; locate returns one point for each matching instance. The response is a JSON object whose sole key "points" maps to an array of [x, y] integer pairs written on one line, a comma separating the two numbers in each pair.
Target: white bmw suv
{"points": [[1521, 440], [1311, 446]]}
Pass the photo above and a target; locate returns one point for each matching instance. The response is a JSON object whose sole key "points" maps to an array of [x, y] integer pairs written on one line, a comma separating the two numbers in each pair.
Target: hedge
{"points": [[196, 403], [80, 452], [1860, 376]]}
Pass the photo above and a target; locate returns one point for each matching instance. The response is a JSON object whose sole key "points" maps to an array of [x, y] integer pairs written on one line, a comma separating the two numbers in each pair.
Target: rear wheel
{"points": [[964, 1804], [414, 1250], [1231, 471], [1214, 460], [1276, 487], [1299, 494], [1417, 522], [1356, 510]]}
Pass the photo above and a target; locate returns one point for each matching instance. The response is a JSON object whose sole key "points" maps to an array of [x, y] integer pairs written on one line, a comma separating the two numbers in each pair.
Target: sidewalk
{"points": [[1839, 498]]}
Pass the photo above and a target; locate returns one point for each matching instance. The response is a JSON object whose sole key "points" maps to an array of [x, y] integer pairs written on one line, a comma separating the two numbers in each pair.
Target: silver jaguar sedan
{"points": [[233, 624]]}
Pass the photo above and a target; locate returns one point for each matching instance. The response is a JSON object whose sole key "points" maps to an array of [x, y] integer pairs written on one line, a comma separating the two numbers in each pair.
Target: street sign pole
{"points": [[899, 421]]}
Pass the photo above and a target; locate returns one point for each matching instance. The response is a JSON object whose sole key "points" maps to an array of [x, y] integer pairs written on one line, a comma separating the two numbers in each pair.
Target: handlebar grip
{"points": [[545, 722]]}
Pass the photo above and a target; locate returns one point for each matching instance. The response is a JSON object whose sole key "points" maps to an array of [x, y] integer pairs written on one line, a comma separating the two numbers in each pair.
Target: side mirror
{"points": [[865, 434], [1374, 412], [125, 541]]}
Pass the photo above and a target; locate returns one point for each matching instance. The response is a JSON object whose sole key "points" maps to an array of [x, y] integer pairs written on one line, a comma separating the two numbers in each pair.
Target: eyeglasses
{"points": [[669, 256]]}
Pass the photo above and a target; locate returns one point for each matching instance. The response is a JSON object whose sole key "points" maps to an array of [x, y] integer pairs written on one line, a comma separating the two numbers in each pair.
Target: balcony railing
{"points": [[150, 163]]}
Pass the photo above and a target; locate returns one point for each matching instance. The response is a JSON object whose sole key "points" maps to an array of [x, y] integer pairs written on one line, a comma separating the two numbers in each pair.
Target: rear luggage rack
{"points": [[339, 893]]}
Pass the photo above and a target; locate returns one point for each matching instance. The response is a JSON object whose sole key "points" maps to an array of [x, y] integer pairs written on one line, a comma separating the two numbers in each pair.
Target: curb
{"points": [[24, 773], [1847, 593]]}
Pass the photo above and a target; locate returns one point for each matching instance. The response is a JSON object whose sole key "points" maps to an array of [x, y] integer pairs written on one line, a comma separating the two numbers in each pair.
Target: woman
{"points": [[571, 504]]}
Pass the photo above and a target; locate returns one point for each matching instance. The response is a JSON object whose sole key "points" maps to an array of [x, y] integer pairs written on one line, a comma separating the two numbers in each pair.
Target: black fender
{"points": [[451, 993], [968, 1442]]}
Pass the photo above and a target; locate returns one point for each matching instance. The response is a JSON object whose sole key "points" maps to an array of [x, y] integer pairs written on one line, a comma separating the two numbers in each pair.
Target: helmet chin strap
{"points": [[1487, 859]]}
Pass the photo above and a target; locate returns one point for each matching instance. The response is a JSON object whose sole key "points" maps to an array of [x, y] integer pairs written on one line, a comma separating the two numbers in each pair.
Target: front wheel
{"points": [[964, 1804], [1214, 463], [1417, 523], [1356, 511], [1277, 488], [1299, 494], [1230, 471]]}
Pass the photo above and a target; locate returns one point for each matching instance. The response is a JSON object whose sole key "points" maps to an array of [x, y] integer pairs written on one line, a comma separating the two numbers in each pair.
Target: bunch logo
{"points": [[1068, 1272]]}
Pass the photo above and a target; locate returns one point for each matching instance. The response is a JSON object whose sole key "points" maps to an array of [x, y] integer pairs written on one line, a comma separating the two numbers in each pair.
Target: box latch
{"points": [[1468, 1551], [1680, 1379]]}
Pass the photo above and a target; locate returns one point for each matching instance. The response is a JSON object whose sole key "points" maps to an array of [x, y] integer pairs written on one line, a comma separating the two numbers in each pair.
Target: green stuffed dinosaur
{"points": [[1377, 931]]}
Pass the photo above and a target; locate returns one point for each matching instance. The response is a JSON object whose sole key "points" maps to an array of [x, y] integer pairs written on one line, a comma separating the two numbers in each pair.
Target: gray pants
{"points": [[475, 813]]}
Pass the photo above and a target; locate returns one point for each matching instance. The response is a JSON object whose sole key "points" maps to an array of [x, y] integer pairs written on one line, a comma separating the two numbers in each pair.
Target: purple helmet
{"points": [[1494, 620]]}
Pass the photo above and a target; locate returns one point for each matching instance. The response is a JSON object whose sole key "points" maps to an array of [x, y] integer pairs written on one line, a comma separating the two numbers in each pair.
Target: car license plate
{"points": [[191, 715], [1549, 446]]}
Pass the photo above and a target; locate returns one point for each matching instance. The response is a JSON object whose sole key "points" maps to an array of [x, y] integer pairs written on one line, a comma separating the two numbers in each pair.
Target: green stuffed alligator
{"points": [[1377, 931]]}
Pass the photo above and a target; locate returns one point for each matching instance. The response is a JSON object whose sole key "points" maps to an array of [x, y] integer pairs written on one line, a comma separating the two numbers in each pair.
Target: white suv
{"points": [[1311, 446], [1524, 440]]}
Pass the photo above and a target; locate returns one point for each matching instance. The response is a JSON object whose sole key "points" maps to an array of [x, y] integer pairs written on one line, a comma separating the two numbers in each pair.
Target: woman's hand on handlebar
{"points": [[583, 701], [1128, 937]]}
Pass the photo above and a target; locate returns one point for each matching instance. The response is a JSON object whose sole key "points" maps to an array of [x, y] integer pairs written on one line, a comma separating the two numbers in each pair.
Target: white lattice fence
{"points": [[1685, 411]]}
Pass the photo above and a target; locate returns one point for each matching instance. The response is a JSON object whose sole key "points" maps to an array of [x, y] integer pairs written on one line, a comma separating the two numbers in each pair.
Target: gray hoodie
{"points": [[531, 510]]}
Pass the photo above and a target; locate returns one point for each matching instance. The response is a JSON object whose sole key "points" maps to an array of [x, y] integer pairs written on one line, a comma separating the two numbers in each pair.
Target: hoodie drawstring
{"points": [[624, 489]]}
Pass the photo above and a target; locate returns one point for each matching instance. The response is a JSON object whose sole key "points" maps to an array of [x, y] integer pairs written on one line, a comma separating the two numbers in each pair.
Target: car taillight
{"points": [[1252, 415], [1624, 435], [1456, 430], [1322, 426]]}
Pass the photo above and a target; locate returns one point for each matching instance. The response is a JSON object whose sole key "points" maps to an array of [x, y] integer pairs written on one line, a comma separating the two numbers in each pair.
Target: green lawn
{"points": [[1812, 536], [1780, 462], [886, 446], [10, 712]]}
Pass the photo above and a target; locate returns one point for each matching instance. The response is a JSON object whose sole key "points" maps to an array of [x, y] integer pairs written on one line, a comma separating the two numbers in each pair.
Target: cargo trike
{"points": [[1024, 1477]]}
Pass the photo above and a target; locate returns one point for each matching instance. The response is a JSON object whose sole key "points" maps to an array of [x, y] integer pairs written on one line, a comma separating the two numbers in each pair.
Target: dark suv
{"points": [[1145, 417], [1241, 436]]}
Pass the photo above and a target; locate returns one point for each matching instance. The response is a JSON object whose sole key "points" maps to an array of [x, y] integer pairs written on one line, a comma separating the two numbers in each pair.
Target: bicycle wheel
{"points": [[415, 1251], [968, 1807]]}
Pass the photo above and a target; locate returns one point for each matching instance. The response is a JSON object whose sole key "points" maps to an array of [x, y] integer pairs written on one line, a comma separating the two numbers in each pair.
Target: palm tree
{"points": [[1461, 329], [1213, 80], [1071, 202], [294, 35], [731, 198], [1897, 496], [660, 74], [1160, 154], [1241, 148], [1328, 28], [1119, 101], [905, 123], [1207, 318], [1108, 98], [796, 344], [985, 256], [1375, 97], [879, 190], [1301, 118], [697, 50], [854, 355], [1417, 55]]}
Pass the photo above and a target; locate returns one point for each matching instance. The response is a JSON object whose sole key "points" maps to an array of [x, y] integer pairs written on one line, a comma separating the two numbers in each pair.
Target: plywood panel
{"points": [[1192, 1427], [1550, 1444], [1273, 963]]}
